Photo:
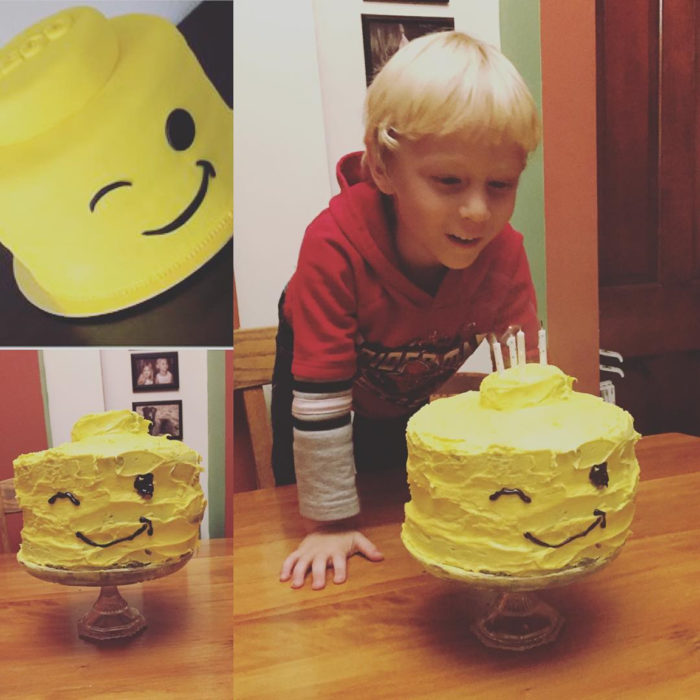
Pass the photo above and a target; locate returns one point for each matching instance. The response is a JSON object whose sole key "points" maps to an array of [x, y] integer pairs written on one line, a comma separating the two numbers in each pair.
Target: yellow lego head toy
{"points": [[116, 161]]}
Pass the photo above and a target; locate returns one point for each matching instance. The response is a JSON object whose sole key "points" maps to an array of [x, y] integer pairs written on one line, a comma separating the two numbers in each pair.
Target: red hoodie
{"points": [[356, 315]]}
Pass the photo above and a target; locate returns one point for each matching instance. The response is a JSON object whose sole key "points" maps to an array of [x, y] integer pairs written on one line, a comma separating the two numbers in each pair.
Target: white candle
{"points": [[542, 345], [512, 356], [497, 356], [520, 342]]}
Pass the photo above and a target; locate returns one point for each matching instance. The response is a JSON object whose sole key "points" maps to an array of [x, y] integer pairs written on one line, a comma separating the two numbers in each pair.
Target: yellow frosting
{"points": [[99, 468], [525, 429], [85, 103]]}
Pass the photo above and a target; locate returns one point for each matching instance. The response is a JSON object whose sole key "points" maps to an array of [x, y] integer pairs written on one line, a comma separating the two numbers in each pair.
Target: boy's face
{"points": [[451, 196]]}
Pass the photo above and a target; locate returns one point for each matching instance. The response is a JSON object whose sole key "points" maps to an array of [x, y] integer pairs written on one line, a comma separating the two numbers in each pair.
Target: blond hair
{"points": [[446, 82]]}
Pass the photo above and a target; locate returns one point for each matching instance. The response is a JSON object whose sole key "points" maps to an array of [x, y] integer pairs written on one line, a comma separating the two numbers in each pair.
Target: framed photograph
{"points": [[154, 371], [165, 417], [384, 35]]}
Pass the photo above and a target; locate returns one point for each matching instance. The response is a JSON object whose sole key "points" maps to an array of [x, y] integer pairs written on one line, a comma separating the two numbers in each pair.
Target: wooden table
{"points": [[185, 652], [392, 631]]}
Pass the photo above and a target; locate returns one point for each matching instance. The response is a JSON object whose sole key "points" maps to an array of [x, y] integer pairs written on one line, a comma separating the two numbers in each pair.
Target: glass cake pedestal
{"points": [[110, 617], [517, 619]]}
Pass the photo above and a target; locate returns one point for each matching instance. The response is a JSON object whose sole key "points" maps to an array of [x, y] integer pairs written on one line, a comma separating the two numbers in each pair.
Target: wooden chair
{"points": [[8, 504], [253, 362]]}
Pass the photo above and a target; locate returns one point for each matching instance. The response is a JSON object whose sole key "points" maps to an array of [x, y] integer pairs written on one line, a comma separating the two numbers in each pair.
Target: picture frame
{"points": [[154, 371], [165, 417], [383, 35]]}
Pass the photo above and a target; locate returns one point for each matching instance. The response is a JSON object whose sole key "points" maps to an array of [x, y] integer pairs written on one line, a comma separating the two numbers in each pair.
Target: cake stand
{"points": [[517, 619], [110, 617]]}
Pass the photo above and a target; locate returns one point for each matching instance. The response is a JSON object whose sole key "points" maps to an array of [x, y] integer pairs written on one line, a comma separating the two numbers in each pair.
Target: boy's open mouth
{"points": [[463, 242]]}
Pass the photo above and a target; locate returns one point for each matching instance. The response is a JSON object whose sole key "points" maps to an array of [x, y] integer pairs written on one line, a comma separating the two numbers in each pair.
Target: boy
{"points": [[411, 262]]}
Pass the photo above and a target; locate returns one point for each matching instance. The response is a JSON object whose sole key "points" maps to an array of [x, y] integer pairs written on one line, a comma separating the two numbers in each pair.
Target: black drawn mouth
{"points": [[600, 520], [146, 527], [207, 172]]}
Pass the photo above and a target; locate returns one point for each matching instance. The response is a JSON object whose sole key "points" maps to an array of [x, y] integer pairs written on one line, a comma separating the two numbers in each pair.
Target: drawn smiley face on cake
{"points": [[143, 485], [599, 478], [119, 185], [142, 517]]}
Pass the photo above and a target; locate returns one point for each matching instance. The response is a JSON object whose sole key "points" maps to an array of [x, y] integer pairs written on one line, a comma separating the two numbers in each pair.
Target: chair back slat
{"points": [[253, 362]]}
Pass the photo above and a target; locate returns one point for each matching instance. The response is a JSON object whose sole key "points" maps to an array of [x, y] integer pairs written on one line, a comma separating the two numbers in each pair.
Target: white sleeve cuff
{"points": [[325, 472]]}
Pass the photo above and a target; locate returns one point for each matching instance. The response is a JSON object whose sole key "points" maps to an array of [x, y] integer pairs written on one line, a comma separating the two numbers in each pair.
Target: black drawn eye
{"points": [[107, 188], [143, 484], [64, 494], [511, 492], [599, 475], [179, 129]]}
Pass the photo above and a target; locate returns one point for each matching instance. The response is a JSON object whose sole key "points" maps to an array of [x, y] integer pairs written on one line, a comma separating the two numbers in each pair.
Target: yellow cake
{"points": [[524, 477], [114, 496], [116, 161]]}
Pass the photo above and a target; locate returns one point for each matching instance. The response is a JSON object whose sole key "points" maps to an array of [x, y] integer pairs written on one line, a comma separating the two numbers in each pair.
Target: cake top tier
{"points": [[526, 408], [523, 386], [109, 422], [110, 435]]}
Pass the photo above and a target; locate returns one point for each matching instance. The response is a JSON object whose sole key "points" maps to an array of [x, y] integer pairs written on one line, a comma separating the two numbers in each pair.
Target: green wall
{"points": [[520, 41], [216, 391]]}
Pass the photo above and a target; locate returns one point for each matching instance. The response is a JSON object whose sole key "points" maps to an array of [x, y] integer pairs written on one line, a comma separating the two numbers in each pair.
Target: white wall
{"points": [[17, 15], [80, 381], [73, 388], [280, 178], [299, 86]]}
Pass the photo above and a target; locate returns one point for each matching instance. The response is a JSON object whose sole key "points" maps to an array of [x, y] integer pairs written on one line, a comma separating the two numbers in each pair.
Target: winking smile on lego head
{"points": [[116, 161]]}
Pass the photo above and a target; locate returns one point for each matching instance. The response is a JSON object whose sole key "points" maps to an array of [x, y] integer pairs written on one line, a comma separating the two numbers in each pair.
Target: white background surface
{"points": [[17, 15]]}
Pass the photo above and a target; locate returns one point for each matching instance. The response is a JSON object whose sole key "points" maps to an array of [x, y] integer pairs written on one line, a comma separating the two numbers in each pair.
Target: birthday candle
{"points": [[520, 342], [542, 344], [497, 355], [512, 357]]}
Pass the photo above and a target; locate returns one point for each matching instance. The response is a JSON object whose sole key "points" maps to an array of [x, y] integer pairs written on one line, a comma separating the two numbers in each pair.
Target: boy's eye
{"points": [[500, 185], [447, 180]]}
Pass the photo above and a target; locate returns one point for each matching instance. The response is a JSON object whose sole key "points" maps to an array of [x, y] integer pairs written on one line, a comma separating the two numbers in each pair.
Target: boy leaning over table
{"points": [[410, 265]]}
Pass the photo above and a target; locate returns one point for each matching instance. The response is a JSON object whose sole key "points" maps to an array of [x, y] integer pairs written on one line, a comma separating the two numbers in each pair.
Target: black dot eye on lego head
{"points": [[599, 475], [143, 484], [179, 129]]}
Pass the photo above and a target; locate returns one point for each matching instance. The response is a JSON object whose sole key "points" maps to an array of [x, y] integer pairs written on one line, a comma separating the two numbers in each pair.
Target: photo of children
{"points": [[154, 371]]}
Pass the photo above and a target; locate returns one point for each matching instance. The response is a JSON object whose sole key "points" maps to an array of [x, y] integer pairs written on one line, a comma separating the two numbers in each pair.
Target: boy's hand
{"points": [[327, 546]]}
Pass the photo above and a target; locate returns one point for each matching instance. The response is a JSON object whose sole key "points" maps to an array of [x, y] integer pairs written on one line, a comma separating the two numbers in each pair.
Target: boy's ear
{"points": [[378, 170]]}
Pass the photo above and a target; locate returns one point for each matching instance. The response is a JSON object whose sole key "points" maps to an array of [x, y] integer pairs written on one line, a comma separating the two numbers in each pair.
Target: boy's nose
{"points": [[475, 208]]}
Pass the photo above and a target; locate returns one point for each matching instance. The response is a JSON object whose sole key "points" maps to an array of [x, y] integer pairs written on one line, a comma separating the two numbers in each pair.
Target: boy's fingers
{"points": [[318, 572], [339, 568], [364, 546], [299, 573], [287, 566]]}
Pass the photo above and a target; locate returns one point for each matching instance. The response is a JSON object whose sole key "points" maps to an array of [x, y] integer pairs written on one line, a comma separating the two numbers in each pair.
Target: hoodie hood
{"points": [[364, 215]]}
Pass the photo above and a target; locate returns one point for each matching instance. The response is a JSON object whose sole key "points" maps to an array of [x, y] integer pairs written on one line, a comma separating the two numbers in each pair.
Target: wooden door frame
{"points": [[568, 45]]}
